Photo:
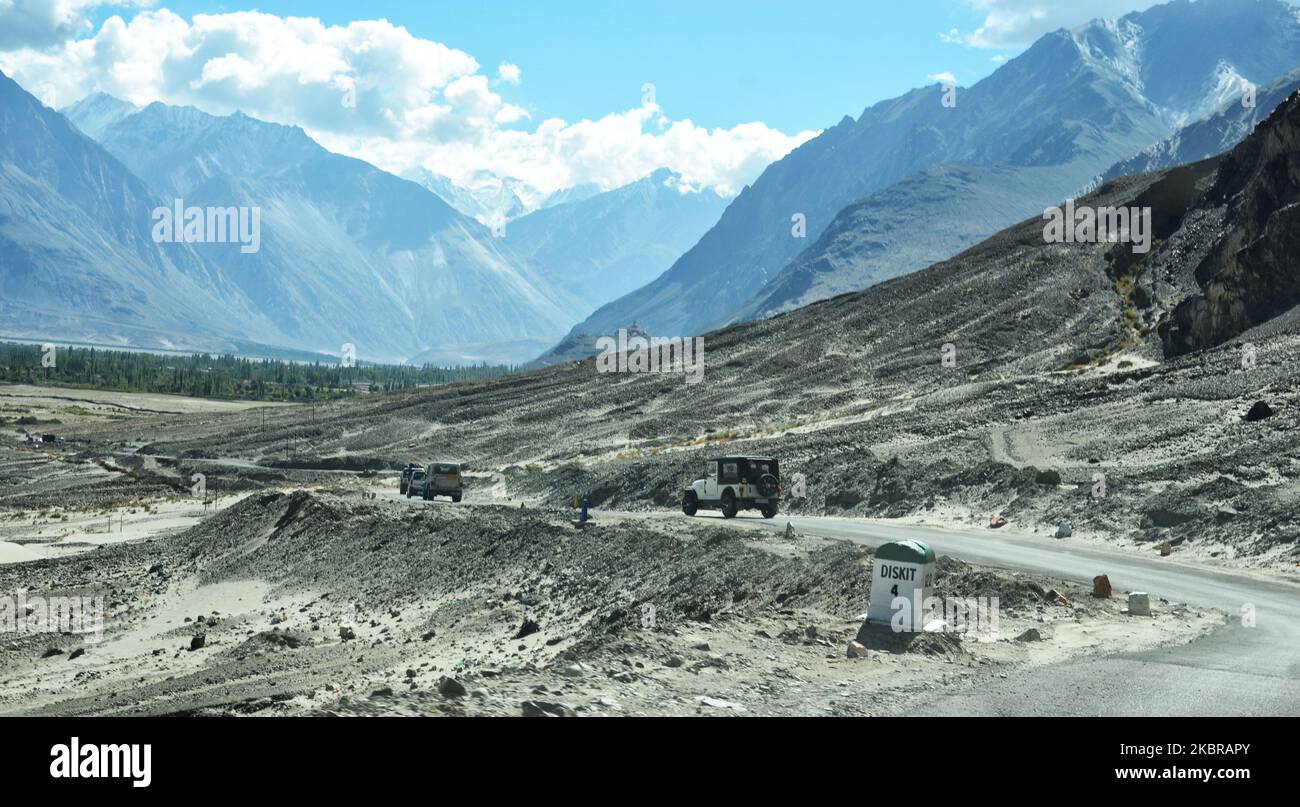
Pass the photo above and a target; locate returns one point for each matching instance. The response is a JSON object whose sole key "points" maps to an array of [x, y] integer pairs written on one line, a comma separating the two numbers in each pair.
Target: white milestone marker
{"points": [[902, 569]]}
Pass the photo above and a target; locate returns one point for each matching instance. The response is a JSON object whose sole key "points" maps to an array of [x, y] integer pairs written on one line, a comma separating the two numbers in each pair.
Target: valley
{"points": [[1044, 330]]}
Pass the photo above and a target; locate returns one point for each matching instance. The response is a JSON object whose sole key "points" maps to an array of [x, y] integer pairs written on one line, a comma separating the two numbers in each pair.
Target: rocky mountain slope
{"points": [[1249, 275], [1075, 101], [348, 253], [77, 258], [602, 247], [1213, 135], [875, 238], [96, 112]]}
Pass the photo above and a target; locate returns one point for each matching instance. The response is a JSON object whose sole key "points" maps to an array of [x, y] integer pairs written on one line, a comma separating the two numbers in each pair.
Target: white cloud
{"points": [[372, 90], [943, 78], [1016, 23], [509, 73], [42, 24]]}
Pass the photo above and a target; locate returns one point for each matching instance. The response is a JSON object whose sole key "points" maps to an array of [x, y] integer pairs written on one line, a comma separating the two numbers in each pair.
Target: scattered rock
{"points": [[1064, 530], [1031, 635], [527, 629], [1051, 478], [198, 642], [451, 688], [1101, 587], [856, 649], [545, 709], [996, 522], [1258, 411], [719, 703]]}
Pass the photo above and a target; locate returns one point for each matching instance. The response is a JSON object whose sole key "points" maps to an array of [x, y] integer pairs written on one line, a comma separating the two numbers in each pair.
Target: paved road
{"points": [[1235, 671]]}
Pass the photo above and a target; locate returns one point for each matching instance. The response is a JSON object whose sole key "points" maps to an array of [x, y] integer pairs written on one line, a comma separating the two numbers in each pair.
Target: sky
{"points": [[555, 93]]}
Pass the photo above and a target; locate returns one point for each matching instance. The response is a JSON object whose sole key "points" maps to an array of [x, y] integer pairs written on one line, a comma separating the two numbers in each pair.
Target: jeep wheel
{"points": [[690, 503], [728, 504], [769, 511], [768, 486], [455, 497], [401, 489]]}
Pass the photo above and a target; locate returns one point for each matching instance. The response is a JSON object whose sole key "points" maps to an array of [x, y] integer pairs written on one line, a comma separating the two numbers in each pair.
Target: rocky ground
{"points": [[328, 601]]}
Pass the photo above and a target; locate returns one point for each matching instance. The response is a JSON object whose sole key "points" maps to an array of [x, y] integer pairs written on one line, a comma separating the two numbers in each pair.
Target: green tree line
{"points": [[202, 375]]}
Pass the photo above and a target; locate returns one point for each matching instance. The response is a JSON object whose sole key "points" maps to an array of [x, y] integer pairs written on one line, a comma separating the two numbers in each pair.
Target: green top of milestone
{"points": [[906, 552]]}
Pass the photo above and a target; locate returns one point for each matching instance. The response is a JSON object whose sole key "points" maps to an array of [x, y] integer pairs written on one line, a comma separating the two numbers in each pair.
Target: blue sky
{"points": [[549, 92], [794, 66]]}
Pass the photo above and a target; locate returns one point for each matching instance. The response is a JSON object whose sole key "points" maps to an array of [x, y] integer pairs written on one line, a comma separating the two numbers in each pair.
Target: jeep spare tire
{"points": [[767, 486]]}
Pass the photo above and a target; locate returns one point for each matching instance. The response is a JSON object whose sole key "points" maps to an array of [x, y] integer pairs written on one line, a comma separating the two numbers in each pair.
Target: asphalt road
{"points": [[1237, 670]]}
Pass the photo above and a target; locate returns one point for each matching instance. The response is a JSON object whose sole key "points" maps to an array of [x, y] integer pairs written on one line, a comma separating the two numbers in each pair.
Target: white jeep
{"points": [[734, 484]]}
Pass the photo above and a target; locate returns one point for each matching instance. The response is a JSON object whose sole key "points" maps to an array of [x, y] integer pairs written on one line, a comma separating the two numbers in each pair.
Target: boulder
{"points": [[1258, 411], [1101, 587], [544, 709], [451, 688]]}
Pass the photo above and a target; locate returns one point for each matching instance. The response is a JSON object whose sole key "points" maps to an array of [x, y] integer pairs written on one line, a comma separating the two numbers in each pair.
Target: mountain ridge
{"points": [[1076, 100]]}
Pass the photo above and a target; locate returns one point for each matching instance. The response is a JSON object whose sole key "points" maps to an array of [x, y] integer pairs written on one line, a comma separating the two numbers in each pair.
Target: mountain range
{"points": [[407, 269], [347, 253], [928, 174]]}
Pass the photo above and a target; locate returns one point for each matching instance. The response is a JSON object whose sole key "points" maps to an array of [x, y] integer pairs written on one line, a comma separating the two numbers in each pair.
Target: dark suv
{"points": [[410, 469], [442, 479]]}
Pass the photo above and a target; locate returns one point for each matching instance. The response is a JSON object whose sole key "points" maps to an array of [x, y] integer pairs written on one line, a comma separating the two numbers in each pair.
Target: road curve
{"points": [[1236, 671]]}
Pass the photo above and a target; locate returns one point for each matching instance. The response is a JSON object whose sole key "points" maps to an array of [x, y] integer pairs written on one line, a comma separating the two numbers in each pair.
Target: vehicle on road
{"points": [[733, 484], [443, 479], [405, 484], [415, 487]]}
